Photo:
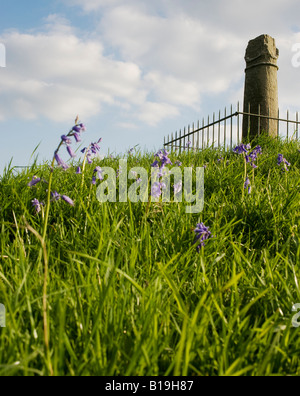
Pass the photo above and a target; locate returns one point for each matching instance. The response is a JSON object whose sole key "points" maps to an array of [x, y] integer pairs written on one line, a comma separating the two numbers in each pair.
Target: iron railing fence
{"points": [[226, 131]]}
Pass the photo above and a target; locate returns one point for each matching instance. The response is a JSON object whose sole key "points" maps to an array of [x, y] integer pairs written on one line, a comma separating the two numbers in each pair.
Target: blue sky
{"points": [[133, 70]]}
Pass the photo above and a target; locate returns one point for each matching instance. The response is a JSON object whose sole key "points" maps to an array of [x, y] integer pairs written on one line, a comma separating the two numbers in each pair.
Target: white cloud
{"points": [[127, 125], [152, 113], [192, 49], [147, 59], [181, 46], [170, 89], [56, 74]]}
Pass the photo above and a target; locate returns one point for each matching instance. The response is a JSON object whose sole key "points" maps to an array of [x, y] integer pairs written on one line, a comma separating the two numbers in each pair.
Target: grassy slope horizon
{"points": [[128, 294]]}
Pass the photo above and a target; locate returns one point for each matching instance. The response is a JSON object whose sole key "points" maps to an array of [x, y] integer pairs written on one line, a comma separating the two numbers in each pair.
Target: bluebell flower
{"points": [[99, 172], [91, 151], [282, 160], [156, 190], [37, 205], [66, 139], [252, 157], [202, 234], [71, 152], [55, 196], [68, 200], [247, 185], [77, 137], [79, 128], [60, 162], [35, 180], [242, 148]]}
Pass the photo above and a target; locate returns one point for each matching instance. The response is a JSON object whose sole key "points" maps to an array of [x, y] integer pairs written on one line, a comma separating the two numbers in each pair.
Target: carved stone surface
{"points": [[261, 86]]}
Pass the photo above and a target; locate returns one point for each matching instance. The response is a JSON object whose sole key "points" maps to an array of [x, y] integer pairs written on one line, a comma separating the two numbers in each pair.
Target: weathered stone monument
{"points": [[261, 87]]}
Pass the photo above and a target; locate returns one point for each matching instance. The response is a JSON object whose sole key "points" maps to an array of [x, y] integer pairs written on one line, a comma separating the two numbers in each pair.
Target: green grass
{"points": [[127, 293]]}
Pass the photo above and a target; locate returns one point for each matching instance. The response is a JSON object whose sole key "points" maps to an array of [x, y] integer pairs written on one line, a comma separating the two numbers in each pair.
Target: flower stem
{"points": [[84, 164], [46, 265], [245, 177]]}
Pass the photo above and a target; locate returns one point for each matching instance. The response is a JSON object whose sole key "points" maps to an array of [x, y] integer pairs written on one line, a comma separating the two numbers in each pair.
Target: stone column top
{"points": [[262, 51]]}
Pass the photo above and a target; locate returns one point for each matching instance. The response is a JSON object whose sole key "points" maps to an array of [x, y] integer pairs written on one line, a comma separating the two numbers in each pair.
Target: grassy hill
{"points": [[121, 289]]}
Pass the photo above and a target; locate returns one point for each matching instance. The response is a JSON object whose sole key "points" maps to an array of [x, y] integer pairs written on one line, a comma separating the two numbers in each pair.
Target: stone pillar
{"points": [[261, 87]]}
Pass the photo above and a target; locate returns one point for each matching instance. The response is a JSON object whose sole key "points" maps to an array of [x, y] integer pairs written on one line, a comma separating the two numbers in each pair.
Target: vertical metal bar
{"points": [[208, 140], [238, 123], [198, 135], [180, 134], [249, 119], [219, 130], [184, 133], [287, 128], [231, 135], [176, 141], [225, 132], [172, 145], [214, 120], [188, 139], [259, 118], [202, 133], [193, 136]]}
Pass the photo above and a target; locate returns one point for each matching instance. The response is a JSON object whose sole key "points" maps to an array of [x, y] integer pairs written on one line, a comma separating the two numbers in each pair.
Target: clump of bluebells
{"points": [[56, 197], [91, 151], [97, 174], [250, 158], [130, 152], [242, 148], [281, 160], [163, 159], [247, 185], [202, 234], [160, 163], [66, 140], [37, 205], [245, 148]]}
